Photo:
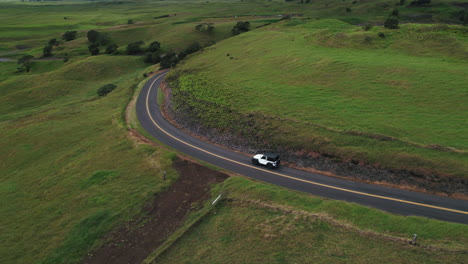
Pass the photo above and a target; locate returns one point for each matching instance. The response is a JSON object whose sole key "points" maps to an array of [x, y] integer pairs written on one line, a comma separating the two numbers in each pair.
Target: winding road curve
{"points": [[391, 200]]}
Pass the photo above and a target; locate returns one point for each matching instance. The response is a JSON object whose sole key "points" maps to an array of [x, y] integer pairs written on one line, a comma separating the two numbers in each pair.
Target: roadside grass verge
{"points": [[265, 224]]}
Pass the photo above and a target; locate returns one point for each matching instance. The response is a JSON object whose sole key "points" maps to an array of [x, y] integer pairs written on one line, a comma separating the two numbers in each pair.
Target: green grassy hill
{"points": [[70, 174], [304, 86]]}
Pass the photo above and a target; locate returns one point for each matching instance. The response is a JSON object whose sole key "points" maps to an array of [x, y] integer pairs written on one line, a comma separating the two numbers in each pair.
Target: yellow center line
{"points": [[284, 175]]}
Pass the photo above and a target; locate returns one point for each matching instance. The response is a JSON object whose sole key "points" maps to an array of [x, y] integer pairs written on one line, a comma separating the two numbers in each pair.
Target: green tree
{"points": [[111, 49], [94, 49], [392, 22], [25, 63], [53, 42], [169, 60], [135, 47], [240, 27], [69, 35], [106, 89], [93, 36], [47, 51], [154, 46]]}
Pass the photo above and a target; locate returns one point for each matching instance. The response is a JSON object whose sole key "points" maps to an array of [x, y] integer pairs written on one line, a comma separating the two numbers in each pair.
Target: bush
{"points": [[47, 51], [69, 35], [205, 27], [135, 47], [170, 60], [153, 57], [104, 90], [93, 36], [391, 22], [94, 49], [111, 49], [25, 63], [240, 27], [154, 46], [53, 42], [381, 35]]}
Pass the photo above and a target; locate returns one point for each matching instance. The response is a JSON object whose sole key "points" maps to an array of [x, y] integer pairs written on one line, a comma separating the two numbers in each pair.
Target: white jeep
{"points": [[270, 160]]}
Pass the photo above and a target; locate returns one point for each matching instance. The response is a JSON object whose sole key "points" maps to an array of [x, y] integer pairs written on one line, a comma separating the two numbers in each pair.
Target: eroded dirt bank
{"points": [[424, 181], [135, 240]]}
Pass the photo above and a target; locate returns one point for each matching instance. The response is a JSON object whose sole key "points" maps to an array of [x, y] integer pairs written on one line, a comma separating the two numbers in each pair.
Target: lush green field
{"points": [[69, 172], [265, 224], [68, 169], [328, 86]]}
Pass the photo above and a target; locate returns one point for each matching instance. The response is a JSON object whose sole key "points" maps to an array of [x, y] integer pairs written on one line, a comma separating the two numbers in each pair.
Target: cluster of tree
{"points": [[420, 2], [98, 39], [205, 28], [104, 90], [170, 59], [392, 21], [240, 27], [153, 54]]}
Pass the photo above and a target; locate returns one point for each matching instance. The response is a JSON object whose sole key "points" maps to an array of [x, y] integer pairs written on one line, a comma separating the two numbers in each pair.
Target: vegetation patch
{"points": [[255, 222], [344, 98]]}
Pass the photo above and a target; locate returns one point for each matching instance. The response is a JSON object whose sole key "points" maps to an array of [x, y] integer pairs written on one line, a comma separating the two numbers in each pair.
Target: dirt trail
{"points": [[135, 240]]}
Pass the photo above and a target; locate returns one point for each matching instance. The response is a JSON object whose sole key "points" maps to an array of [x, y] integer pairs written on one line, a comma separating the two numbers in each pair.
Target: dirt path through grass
{"points": [[135, 240]]}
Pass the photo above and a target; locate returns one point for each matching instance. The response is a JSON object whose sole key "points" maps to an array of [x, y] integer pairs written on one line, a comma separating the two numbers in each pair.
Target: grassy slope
{"points": [[62, 184], [284, 227], [60, 171], [329, 74]]}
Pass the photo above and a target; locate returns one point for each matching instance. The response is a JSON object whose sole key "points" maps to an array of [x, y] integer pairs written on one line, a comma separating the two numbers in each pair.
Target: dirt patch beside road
{"points": [[135, 240]]}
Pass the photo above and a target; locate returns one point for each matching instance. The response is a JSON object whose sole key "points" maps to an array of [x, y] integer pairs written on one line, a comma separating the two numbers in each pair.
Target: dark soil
{"points": [[134, 241]]}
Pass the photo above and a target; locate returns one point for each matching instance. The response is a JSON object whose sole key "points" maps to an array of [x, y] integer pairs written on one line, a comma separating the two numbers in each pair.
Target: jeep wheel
{"points": [[254, 161], [270, 166]]}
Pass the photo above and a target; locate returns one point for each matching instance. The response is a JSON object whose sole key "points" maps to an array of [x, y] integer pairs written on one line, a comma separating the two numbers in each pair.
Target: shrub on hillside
{"points": [[69, 35], [240, 27], [205, 28], [47, 51], [106, 89], [111, 49], [392, 22], [93, 36], [154, 46], [135, 47], [94, 49], [169, 60], [153, 57], [25, 63], [53, 42]]}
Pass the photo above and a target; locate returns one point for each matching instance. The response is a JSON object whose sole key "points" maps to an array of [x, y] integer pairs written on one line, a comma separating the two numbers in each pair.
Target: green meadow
{"points": [[70, 173], [259, 223], [328, 86]]}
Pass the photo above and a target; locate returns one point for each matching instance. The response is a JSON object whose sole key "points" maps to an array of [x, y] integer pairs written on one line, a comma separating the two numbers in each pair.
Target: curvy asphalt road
{"points": [[391, 200]]}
